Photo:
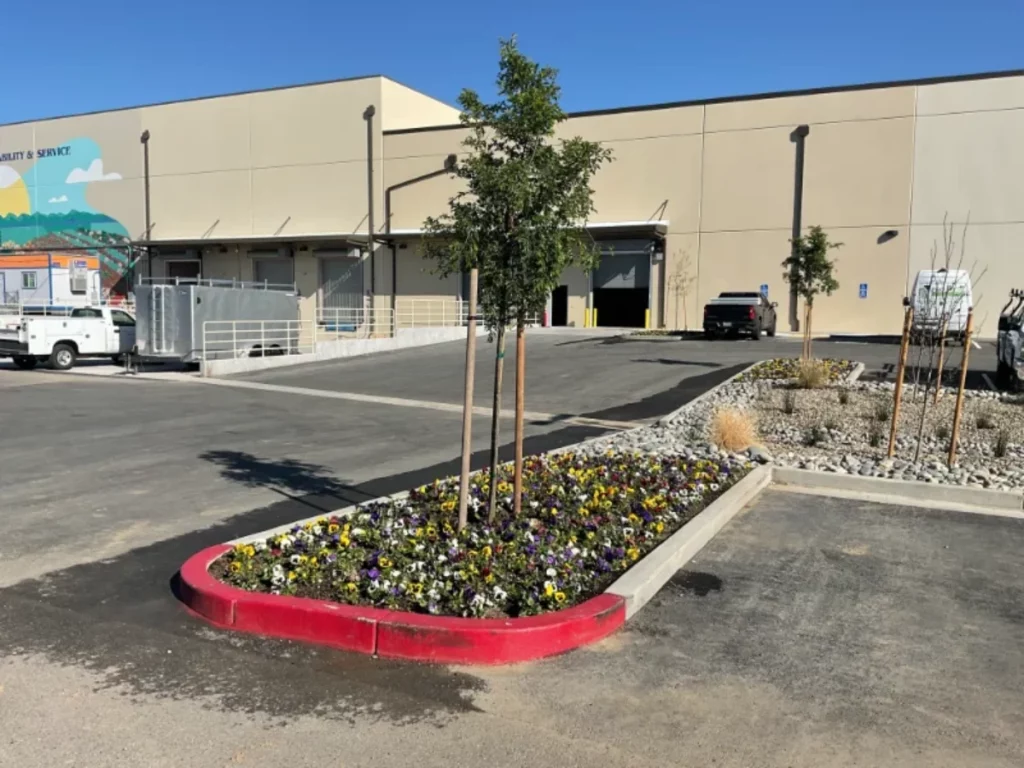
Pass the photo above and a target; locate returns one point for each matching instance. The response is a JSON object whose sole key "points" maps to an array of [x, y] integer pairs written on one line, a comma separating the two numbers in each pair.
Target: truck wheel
{"points": [[62, 358], [771, 331], [756, 333], [25, 363]]}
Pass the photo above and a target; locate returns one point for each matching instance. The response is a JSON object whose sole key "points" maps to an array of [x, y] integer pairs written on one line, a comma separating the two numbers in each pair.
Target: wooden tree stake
{"points": [[954, 437], [467, 404], [908, 318], [942, 359], [517, 482]]}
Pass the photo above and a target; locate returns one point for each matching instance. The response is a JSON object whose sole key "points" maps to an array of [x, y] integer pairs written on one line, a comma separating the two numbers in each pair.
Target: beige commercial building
{"points": [[275, 185]]}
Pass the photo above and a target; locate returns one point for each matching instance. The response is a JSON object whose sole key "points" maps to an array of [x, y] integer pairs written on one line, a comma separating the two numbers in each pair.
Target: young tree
{"points": [[809, 272], [680, 284], [520, 217]]}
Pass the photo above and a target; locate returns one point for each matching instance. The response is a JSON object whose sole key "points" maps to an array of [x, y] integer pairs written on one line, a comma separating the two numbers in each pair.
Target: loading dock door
{"points": [[341, 287], [622, 283]]}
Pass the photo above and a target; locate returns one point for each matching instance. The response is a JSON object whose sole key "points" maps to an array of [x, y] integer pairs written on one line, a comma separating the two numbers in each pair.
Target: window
{"points": [[86, 313], [28, 280], [121, 318]]}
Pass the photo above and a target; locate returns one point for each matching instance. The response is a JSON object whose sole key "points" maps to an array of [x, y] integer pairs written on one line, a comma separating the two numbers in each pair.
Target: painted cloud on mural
{"points": [[94, 173]]}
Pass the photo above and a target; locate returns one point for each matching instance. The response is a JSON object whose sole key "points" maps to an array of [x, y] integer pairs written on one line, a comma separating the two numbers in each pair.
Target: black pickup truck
{"points": [[735, 313]]}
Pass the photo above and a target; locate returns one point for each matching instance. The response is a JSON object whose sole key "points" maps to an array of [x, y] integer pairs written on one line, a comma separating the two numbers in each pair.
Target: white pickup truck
{"points": [[62, 339]]}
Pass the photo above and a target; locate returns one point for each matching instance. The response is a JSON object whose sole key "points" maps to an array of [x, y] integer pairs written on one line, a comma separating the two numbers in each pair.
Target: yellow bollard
{"points": [[647, 319], [593, 317]]}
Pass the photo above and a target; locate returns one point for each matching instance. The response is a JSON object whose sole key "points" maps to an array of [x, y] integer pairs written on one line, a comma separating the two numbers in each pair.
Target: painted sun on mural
{"points": [[45, 208]]}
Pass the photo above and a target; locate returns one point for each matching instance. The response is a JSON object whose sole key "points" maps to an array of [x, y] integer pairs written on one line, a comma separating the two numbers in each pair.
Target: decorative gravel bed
{"points": [[823, 434], [587, 518], [786, 369]]}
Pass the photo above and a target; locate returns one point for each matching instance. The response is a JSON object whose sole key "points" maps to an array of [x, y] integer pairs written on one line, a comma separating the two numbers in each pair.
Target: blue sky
{"points": [[78, 57]]}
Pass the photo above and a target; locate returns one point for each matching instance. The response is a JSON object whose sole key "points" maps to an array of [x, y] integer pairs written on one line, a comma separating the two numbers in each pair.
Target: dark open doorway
{"points": [[621, 307], [560, 305]]}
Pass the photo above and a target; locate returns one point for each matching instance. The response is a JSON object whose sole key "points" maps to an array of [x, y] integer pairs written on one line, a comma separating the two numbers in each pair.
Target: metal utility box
{"points": [[171, 314]]}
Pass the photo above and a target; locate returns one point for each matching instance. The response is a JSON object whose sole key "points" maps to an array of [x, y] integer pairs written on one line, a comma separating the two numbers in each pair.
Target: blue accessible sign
{"points": [[764, 290], [863, 290]]}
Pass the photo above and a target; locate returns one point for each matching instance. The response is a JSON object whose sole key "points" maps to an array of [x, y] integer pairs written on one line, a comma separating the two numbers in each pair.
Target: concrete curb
{"points": [[900, 491], [394, 634], [642, 582], [668, 419]]}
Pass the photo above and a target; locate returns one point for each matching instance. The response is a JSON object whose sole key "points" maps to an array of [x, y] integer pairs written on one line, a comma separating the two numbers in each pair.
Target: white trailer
{"points": [[62, 339]]}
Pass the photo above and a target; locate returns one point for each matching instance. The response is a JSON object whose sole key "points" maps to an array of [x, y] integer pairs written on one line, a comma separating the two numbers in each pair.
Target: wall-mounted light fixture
{"points": [[888, 235]]}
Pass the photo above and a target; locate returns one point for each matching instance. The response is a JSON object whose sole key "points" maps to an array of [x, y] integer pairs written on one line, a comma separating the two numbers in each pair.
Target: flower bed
{"points": [[586, 520], [788, 367]]}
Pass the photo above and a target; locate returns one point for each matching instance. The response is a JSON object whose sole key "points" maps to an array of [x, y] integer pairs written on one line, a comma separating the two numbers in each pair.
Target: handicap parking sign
{"points": [[863, 290], [764, 290]]}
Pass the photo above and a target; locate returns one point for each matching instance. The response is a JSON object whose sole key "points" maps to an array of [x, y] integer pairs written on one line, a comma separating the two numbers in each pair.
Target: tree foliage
{"points": [[809, 268], [521, 214]]}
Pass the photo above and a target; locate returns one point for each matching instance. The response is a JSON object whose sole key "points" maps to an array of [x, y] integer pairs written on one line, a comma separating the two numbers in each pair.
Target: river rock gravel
{"points": [[844, 428]]}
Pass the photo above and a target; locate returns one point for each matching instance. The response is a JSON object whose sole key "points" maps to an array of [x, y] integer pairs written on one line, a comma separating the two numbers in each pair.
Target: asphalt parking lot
{"points": [[610, 376], [810, 633]]}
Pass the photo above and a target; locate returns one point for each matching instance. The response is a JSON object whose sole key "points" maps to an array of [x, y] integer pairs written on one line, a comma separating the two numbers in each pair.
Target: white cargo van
{"points": [[941, 295], [62, 339]]}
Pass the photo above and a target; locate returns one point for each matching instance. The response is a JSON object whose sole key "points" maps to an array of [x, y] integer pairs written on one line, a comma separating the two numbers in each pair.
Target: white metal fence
{"points": [[257, 338], [355, 322], [430, 313], [59, 309], [226, 339]]}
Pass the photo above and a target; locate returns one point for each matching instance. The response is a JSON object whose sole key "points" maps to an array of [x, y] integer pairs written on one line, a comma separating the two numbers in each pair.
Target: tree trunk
{"points": [[517, 498], [810, 340], [499, 369]]}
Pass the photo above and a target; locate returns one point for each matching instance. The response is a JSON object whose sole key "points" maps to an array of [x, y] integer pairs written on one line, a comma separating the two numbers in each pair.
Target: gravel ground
{"points": [[824, 434]]}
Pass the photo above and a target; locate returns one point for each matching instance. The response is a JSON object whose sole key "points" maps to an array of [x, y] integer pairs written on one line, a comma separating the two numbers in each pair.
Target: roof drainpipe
{"points": [[144, 138], [368, 117], [798, 137]]}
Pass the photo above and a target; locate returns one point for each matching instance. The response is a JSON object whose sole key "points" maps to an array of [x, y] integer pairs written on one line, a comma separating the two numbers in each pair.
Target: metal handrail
{"points": [[217, 283]]}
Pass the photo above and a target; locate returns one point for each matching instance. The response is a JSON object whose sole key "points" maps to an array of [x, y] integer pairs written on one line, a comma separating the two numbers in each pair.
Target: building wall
{"points": [[405, 108], [969, 173], [722, 176]]}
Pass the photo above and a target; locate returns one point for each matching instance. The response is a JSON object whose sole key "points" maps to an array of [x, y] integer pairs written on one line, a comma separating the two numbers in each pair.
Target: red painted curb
{"points": [[395, 634]]}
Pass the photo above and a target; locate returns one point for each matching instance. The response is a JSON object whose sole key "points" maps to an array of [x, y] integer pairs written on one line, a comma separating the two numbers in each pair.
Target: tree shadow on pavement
{"points": [[670, 361], [314, 485]]}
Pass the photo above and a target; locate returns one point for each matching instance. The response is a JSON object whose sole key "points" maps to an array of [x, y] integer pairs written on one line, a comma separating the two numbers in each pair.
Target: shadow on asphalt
{"points": [[670, 361], [300, 481]]}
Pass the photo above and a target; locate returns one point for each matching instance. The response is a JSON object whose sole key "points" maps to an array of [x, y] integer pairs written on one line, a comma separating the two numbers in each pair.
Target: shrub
{"points": [[811, 374], [1002, 443], [875, 436], [985, 419], [942, 432], [814, 436], [733, 429], [788, 402], [883, 410], [844, 397]]}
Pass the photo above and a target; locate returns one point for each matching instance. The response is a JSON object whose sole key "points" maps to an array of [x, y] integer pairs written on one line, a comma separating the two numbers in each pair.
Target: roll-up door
{"points": [[621, 283], [273, 269], [624, 264], [341, 283]]}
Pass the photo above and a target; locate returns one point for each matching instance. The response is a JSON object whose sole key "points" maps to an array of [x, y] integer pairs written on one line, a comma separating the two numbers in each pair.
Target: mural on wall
{"points": [[45, 208]]}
